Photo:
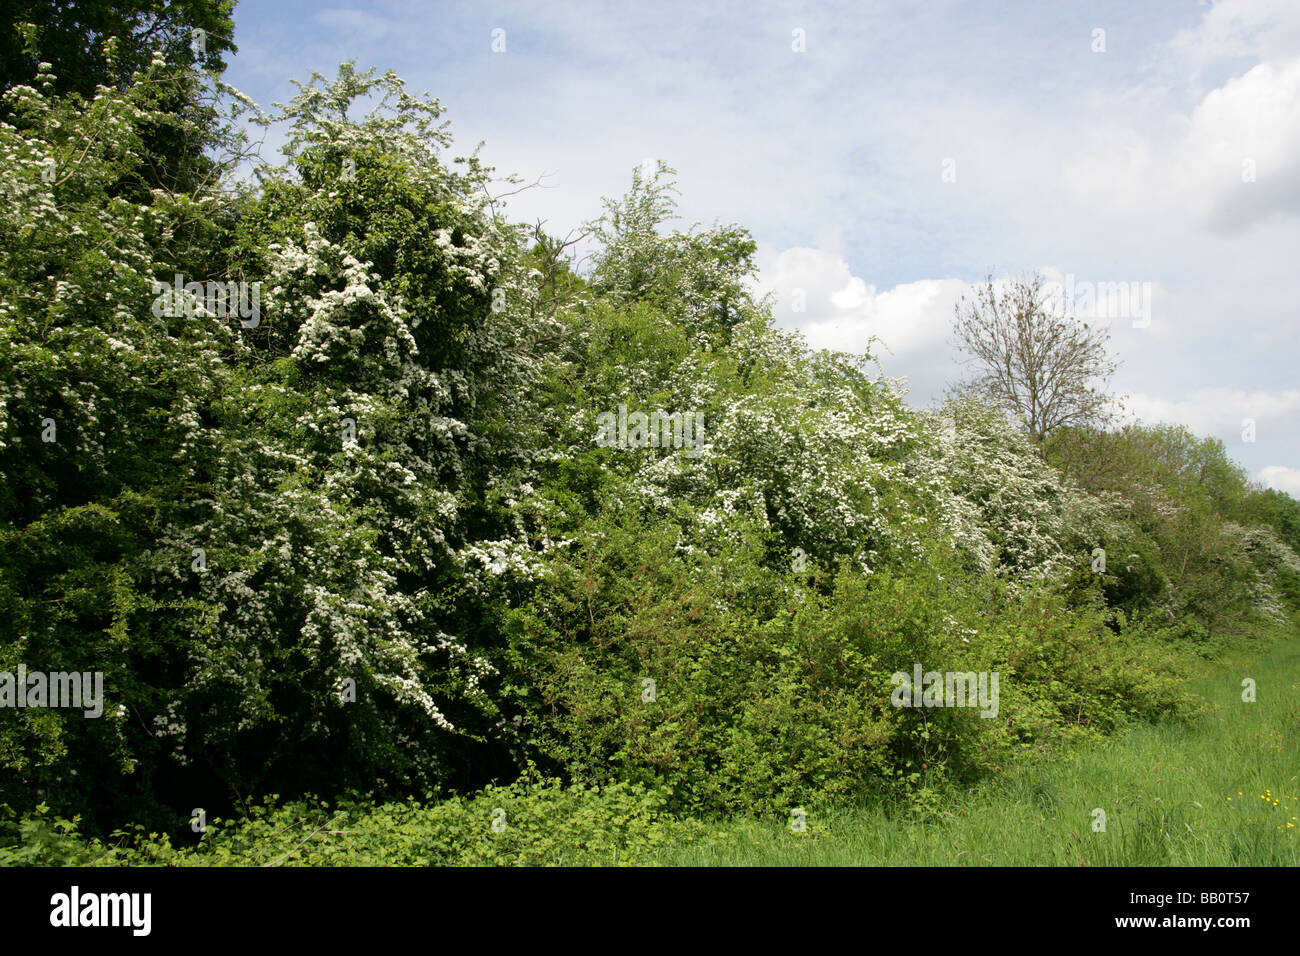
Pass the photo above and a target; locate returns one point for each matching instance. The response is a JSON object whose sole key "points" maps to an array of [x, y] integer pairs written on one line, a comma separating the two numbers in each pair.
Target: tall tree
{"points": [[70, 36], [1041, 364], [698, 275], [78, 46]]}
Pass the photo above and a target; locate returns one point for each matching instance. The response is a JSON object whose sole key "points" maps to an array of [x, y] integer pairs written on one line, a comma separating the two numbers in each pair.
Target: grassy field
{"points": [[1220, 792]]}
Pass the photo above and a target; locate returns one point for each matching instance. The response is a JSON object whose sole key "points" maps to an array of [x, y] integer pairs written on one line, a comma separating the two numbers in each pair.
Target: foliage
{"points": [[74, 39], [102, 437], [365, 540], [695, 277], [1190, 521], [532, 822], [764, 709]]}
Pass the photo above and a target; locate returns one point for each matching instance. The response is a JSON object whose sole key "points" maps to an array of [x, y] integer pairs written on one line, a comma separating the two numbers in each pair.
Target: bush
{"points": [[532, 822], [776, 707]]}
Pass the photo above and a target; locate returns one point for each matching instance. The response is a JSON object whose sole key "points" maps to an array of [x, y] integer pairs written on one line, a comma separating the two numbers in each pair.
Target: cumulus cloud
{"points": [[816, 292], [1240, 160], [1221, 411], [1282, 478], [1235, 160]]}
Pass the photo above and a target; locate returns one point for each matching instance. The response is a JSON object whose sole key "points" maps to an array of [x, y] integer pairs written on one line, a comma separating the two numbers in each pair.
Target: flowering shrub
{"points": [[379, 540]]}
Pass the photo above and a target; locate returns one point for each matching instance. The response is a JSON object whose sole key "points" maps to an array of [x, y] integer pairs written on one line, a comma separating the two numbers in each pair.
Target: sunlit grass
{"points": [[1221, 791]]}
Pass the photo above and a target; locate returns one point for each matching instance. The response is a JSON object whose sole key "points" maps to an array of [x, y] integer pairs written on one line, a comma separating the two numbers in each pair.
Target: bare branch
{"points": [[1048, 369]]}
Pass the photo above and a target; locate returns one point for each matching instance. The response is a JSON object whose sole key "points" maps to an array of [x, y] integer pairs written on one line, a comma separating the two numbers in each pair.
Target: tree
{"points": [[103, 446], [698, 276], [1038, 362], [71, 37], [70, 48], [248, 529]]}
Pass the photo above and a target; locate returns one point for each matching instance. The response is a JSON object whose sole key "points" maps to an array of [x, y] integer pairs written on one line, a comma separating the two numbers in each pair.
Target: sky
{"points": [[888, 156]]}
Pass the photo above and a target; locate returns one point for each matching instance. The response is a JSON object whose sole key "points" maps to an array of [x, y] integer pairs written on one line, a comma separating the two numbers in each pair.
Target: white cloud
{"points": [[1256, 28], [1233, 161], [1221, 411], [842, 311], [1249, 128], [1282, 478]]}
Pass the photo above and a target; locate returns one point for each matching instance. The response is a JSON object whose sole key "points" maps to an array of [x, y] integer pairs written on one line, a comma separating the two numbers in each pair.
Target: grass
{"points": [[1222, 790]]}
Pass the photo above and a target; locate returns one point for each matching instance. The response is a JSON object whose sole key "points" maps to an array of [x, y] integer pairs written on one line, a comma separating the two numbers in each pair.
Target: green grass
{"points": [[1220, 791]]}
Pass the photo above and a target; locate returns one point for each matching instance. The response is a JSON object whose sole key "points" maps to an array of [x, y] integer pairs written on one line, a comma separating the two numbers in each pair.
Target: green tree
{"points": [[695, 276], [103, 445], [71, 36]]}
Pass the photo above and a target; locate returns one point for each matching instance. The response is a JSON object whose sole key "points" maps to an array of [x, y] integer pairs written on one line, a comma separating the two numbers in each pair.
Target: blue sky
{"points": [[906, 151]]}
